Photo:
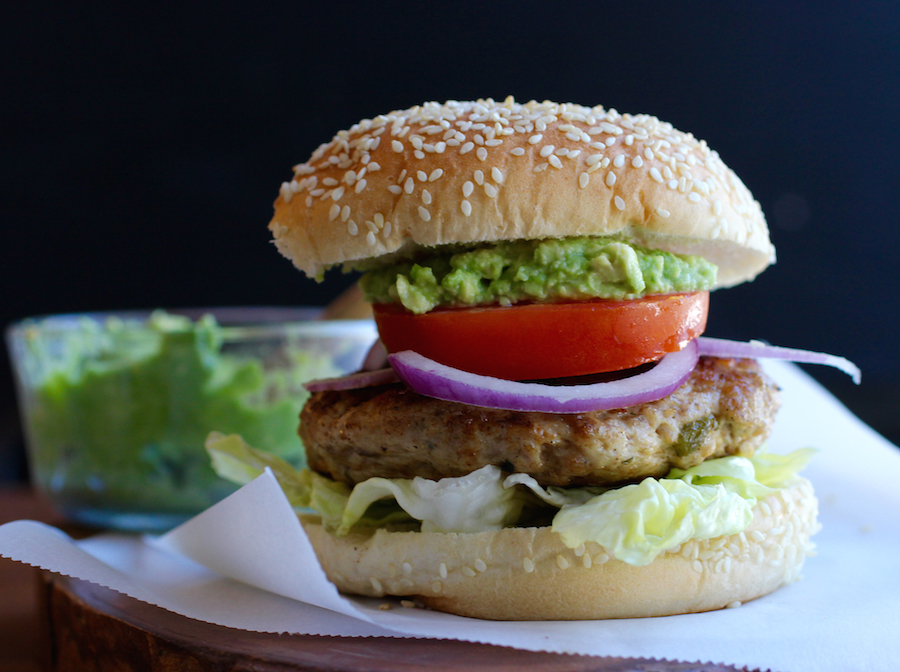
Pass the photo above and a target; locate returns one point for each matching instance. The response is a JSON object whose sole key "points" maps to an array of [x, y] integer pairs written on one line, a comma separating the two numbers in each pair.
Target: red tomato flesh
{"points": [[547, 340]]}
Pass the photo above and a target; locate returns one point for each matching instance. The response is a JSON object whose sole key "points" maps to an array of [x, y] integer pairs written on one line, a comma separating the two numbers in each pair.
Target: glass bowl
{"points": [[116, 406]]}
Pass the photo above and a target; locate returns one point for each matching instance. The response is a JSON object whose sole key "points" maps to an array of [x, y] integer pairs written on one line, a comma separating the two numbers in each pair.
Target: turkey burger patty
{"points": [[726, 407]]}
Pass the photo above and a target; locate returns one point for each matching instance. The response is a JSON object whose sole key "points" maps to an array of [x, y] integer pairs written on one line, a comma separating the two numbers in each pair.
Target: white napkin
{"points": [[841, 616]]}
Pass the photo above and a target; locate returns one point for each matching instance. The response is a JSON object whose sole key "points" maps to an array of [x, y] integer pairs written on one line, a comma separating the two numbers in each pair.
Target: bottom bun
{"points": [[528, 574]]}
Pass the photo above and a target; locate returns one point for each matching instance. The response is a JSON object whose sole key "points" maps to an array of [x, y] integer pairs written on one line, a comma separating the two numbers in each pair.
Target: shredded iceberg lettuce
{"points": [[635, 522], [472, 503]]}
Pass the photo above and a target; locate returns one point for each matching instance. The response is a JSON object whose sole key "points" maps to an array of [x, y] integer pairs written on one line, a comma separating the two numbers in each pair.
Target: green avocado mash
{"points": [[535, 270], [117, 425]]}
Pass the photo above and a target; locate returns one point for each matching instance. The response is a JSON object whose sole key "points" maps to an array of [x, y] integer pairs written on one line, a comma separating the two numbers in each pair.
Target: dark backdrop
{"points": [[141, 146]]}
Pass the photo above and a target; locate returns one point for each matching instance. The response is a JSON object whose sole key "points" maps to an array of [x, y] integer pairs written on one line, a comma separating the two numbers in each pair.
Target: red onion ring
{"points": [[719, 347], [431, 379], [376, 358], [353, 381]]}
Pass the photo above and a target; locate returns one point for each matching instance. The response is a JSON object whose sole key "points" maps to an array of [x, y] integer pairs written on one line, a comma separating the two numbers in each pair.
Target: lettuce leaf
{"points": [[635, 522], [476, 502], [473, 503]]}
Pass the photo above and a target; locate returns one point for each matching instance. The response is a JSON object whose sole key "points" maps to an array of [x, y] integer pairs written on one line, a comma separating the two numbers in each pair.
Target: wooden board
{"points": [[90, 628]]}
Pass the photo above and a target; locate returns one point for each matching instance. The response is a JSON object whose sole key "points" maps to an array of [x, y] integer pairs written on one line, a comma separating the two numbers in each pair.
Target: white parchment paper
{"points": [[843, 615]]}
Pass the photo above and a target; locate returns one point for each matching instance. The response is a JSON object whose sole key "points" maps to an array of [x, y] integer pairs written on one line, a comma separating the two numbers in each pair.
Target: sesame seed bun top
{"points": [[482, 171]]}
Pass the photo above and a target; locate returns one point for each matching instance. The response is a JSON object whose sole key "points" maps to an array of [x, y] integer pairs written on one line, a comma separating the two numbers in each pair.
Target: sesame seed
{"points": [[360, 186], [733, 605], [620, 202], [426, 197], [662, 213], [422, 176], [435, 174], [594, 159], [497, 174], [554, 161], [694, 197], [583, 180], [586, 560], [637, 162], [376, 585], [407, 568], [480, 565], [345, 213], [648, 153], [352, 229], [468, 571], [528, 565], [534, 139], [397, 146], [395, 189], [373, 167], [610, 179], [329, 182], [601, 558], [561, 562], [468, 188], [546, 151], [672, 184], [518, 151], [334, 212], [387, 229], [619, 161], [466, 208], [419, 154], [481, 153], [467, 147], [492, 143], [697, 566], [424, 214], [442, 570], [409, 185], [436, 587], [490, 190], [370, 238], [479, 177], [654, 173], [309, 201], [717, 208]]}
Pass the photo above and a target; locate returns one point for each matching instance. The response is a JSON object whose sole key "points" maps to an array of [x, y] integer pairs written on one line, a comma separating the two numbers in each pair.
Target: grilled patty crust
{"points": [[725, 407]]}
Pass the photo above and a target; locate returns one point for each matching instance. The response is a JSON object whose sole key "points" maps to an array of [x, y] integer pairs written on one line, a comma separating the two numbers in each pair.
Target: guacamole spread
{"points": [[118, 424], [508, 272]]}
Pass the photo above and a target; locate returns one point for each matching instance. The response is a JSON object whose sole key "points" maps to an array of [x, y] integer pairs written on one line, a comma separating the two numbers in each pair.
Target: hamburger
{"points": [[551, 437]]}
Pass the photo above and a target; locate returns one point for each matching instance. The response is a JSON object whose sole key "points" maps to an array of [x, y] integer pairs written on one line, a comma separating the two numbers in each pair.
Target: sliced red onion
{"points": [[720, 347], [354, 381], [376, 358], [431, 379]]}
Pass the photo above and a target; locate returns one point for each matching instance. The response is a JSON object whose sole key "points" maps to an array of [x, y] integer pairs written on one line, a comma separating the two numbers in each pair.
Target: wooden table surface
{"points": [[19, 586]]}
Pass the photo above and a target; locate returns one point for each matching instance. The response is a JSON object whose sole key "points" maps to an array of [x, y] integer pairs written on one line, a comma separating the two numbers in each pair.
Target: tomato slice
{"points": [[547, 340]]}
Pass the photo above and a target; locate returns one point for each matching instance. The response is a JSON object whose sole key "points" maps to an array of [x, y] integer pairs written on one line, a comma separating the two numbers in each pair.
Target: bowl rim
{"points": [[233, 321]]}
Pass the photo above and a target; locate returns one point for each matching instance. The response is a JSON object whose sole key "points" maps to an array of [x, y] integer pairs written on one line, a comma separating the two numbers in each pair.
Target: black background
{"points": [[141, 145]]}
